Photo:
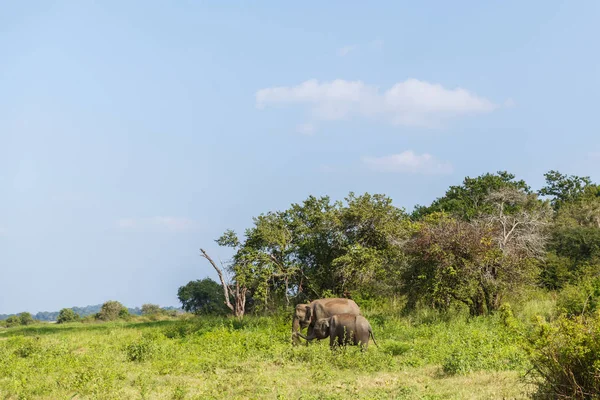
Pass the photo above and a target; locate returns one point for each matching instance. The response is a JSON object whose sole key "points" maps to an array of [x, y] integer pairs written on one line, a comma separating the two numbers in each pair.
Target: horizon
{"points": [[133, 134]]}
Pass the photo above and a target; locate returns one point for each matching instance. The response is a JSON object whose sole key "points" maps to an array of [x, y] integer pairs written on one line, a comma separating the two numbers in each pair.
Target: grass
{"points": [[422, 357]]}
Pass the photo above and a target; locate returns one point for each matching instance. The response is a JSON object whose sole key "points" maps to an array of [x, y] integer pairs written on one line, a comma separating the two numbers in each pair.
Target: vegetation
{"points": [[203, 297], [428, 354], [492, 280], [67, 315]]}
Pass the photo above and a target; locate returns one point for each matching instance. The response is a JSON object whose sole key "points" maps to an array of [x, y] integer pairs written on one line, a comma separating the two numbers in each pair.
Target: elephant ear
{"points": [[308, 313], [320, 312]]}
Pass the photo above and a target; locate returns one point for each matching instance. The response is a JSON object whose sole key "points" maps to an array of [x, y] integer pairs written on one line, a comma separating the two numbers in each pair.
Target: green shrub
{"points": [[67, 315], [26, 318], [11, 321], [151, 309], [581, 298], [566, 357], [112, 310], [140, 350]]}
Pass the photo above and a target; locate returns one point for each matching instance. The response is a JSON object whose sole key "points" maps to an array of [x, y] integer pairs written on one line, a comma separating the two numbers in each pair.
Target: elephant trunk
{"points": [[295, 330]]}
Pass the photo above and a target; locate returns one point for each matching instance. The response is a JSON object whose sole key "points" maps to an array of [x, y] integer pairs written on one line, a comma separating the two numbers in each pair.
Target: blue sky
{"points": [[133, 133]]}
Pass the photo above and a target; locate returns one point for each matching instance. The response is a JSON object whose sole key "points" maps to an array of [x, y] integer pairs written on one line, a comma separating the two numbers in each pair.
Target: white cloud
{"points": [[171, 224], [410, 103], [409, 162], [344, 51], [306, 129]]}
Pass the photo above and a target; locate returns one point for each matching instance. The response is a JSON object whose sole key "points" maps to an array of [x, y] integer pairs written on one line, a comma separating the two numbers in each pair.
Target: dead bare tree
{"points": [[518, 225], [237, 291]]}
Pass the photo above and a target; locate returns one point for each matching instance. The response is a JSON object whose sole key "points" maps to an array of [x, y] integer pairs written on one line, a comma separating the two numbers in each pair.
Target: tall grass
{"points": [[422, 355]]}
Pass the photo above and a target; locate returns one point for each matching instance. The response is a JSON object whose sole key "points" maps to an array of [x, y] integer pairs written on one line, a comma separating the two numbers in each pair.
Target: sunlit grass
{"points": [[215, 358]]}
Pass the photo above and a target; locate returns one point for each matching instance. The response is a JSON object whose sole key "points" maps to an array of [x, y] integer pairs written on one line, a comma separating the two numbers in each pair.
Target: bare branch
{"points": [[225, 286]]}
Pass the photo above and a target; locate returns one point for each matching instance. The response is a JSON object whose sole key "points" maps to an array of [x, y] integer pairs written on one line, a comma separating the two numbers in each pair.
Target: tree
{"points": [[67, 315], [564, 189], [112, 310], [25, 318], [475, 262], [151, 309], [238, 290], [468, 200], [204, 297]]}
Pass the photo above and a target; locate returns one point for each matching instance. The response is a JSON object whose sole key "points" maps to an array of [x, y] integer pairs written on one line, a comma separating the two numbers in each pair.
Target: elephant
{"points": [[343, 329], [306, 315]]}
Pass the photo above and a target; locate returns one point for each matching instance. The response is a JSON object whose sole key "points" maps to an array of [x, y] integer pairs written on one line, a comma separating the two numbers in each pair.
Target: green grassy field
{"points": [[215, 358]]}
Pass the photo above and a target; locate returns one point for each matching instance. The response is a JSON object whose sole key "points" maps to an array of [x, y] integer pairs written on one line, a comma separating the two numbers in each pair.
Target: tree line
{"points": [[482, 240]]}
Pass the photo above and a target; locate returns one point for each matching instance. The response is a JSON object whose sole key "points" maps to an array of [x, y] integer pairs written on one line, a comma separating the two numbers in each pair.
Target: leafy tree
{"points": [[151, 309], [203, 297], [67, 315], [26, 318], [112, 310], [476, 262], [468, 200], [13, 320], [564, 189]]}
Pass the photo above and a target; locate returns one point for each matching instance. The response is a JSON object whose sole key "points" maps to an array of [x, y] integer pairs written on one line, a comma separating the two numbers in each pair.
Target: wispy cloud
{"points": [[306, 129], [409, 103], [170, 224], [408, 162]]}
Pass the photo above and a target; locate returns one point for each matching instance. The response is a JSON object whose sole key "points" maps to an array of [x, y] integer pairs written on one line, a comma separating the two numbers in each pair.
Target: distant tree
{"points": [[26, 318], [67, 315], [468, 200], [13, 320], [112, 310], [202, 297], [151, 309], [564, 189]]}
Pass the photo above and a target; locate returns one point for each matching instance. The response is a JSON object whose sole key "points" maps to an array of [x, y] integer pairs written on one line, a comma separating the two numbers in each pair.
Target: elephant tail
{"points": [[373, 337]]}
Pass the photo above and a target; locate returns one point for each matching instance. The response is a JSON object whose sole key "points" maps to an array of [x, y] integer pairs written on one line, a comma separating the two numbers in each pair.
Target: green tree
{"points": [[151, 309], [203, 297], [475, 262], [468, 200], [67, 315], [564, 189], [13, 320], [112, 310], [26, 318]]}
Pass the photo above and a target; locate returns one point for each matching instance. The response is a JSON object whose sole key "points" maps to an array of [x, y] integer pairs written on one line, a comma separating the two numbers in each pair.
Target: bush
{"points": [[566, 357], [25, 318], [112, 310], [11, 321], [581, 298], [67, 315], [151, 309]]}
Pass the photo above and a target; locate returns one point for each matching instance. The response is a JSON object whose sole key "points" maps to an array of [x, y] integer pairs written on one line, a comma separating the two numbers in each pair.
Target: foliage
{"points": [[319, 248], [202, 297], [477, 261], [151, 309], [26, 318], [212, 357], [112, 310], [566, 357], [467, 201], [67, 315], [581, 298], [567, 189]]}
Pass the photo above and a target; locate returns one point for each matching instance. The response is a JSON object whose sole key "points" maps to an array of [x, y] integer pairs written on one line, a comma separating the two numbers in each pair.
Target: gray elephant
{"points": [[306, 315], [343, 329]]}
